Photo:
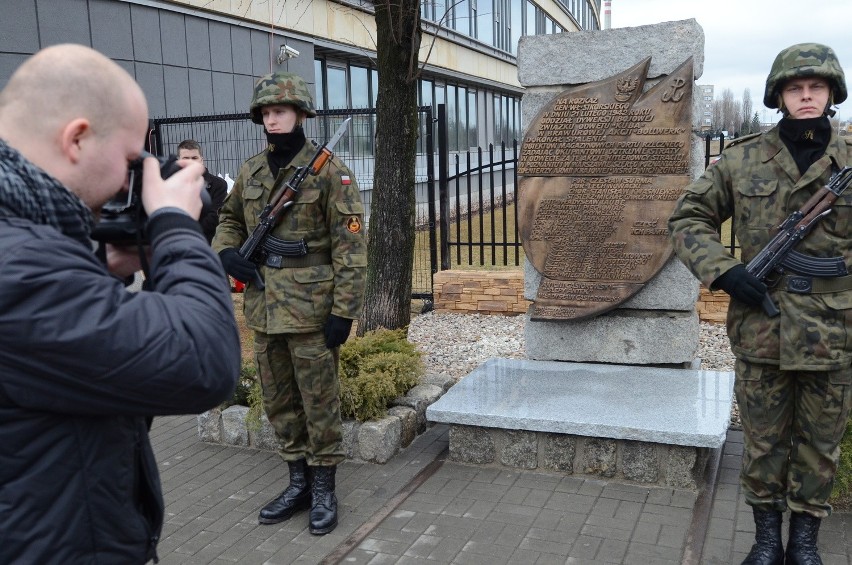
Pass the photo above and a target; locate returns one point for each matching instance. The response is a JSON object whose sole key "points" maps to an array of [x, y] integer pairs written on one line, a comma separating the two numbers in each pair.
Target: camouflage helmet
{"points": [[801, 61], [281, 88]]}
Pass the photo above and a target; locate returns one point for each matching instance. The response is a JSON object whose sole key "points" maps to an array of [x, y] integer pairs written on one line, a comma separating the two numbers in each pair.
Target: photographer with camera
{"points": [[83, 362]]}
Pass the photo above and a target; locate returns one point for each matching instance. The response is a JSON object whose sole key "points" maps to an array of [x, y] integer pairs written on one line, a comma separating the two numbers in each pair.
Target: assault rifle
{"points": [[779, 254], [283, 198]]}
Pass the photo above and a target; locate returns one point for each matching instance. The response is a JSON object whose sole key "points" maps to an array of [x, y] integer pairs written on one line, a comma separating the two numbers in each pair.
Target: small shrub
{"points": [[247, 381], [841, 495], [255, 404], [375, 369]]}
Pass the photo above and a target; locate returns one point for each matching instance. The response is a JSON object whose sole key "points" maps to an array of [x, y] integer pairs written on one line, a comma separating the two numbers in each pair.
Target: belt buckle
{"points": [[273, 260], [800, 285]]}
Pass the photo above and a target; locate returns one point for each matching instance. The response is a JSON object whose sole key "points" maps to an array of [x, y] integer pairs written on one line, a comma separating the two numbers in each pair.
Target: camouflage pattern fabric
{"points": [[807, 410], [758, 184], [281, 88], [329, 215], [802, 61], [298, 376], [793, 371]]}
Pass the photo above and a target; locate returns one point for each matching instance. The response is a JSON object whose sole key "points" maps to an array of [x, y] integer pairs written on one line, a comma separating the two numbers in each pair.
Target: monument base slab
{"points": [[639, 424]]}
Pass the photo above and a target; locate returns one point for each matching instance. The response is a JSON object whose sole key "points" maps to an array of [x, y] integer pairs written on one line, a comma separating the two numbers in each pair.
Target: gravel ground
{"points": [[456, 344]]}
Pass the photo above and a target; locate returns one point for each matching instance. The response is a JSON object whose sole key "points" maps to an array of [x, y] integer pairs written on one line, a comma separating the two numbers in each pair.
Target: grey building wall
{"points": [[185, 64]]}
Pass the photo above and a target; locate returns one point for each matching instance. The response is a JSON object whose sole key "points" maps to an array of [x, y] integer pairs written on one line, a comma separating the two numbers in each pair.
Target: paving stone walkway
{"points": [[421, 509]]}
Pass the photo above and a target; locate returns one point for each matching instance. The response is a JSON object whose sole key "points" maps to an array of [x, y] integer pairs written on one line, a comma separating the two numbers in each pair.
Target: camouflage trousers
{"points": [[298, 375], [793, 422]]}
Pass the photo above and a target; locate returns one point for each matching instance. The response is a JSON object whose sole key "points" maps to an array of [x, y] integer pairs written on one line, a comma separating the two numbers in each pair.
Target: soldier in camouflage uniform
{"points": [[314, 284], [793, 371]]}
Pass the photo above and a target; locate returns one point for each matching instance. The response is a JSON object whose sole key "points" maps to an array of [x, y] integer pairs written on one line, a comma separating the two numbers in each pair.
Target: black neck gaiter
{"points": [[806, 139], [283, 147]]}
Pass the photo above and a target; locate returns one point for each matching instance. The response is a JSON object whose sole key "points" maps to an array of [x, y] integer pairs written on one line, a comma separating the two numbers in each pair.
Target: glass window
{"points": [[452, 118], [319, 99], [426, 93], [440, 12], [516, 109], [336, 88], [374, 92], [359, 89], [485, 21], [463, 112], [427, 11], [462, 17], [472, 120], [548, 24], [515, 24], [529, 23]]}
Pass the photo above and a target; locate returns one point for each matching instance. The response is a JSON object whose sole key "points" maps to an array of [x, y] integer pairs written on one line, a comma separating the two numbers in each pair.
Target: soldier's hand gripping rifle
{"points": [[283, 198], [779, 254]]}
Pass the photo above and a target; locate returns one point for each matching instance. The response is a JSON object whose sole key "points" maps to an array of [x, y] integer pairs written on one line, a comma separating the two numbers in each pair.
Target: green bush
{"points": [[245, 384], [375, 369], [842, 492]]}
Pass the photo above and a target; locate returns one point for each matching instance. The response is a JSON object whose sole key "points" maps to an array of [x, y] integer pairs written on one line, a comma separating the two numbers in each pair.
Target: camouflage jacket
{"points": [[757, 183], [328, 214]]}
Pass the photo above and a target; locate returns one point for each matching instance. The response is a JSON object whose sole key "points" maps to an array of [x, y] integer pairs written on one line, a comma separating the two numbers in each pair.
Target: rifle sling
{"points": [[310, 260], [802, 284]]}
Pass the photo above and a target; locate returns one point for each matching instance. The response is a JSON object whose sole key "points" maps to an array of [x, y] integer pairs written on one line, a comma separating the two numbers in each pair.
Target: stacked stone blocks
{"points": [[482, 292], [374, 441], [633, 461]]}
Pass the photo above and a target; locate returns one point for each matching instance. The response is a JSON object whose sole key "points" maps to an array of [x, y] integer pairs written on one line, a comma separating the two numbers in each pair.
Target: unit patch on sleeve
{"points": [[353, 224]]}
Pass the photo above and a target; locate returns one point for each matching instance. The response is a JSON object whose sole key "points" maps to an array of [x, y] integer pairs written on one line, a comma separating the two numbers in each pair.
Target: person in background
{"points": [[83, 362], [311, 296], [190, 150], [793, 371]]}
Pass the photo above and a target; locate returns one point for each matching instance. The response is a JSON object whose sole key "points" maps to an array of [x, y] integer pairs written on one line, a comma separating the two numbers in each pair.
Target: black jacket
{"points": [[83, 362], [218, 190]]}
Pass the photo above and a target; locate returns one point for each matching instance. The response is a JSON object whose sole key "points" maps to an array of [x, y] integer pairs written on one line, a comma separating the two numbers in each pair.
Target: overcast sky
{"points": [[742, 37]]}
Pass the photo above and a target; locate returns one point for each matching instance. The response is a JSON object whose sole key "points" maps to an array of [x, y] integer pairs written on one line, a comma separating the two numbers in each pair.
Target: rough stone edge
{"points": [[384, 438], [626, 461]]}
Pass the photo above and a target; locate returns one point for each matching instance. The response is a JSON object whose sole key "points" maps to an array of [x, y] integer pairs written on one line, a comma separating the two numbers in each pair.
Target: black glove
{"points": [[336, 331], [742, 286], [237, 266]]}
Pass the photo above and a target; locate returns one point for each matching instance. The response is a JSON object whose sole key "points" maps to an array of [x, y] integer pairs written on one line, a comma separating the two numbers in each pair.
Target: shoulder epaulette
{"points": [[742, 138]]}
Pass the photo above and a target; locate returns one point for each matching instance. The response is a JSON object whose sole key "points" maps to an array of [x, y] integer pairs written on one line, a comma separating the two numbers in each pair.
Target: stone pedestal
{"points": [[641, 424]]}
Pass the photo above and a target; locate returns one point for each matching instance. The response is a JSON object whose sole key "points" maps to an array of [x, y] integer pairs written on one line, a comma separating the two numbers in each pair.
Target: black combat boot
{"points": [[768, 548], [323, 502], [297, 496], [802, 543]]}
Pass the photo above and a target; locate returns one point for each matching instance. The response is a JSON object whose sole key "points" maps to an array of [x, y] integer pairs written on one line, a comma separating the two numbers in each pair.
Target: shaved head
{"points": [[64, 82], [78, 115]]}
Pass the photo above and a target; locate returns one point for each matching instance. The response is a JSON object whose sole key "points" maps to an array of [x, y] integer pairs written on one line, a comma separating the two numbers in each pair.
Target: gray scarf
{"points": [[28, 192]]}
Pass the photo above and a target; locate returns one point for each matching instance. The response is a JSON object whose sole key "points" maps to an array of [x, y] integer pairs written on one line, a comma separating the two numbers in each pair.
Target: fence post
{"points": [[426, 112], [443, 185]]}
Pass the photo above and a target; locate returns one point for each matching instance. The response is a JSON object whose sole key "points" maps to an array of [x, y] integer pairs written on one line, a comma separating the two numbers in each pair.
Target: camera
{"points": [[123, 218]]}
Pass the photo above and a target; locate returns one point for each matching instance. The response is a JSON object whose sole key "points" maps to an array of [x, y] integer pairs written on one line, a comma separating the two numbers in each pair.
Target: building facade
{"points": [[201, 57]]}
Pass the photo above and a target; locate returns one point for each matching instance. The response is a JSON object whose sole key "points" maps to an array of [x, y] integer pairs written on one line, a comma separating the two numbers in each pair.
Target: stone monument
{"points": [[611, 386]]}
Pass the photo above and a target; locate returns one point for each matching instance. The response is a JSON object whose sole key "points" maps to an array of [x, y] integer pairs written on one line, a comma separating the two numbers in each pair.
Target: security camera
{"points": [[286, 52]]}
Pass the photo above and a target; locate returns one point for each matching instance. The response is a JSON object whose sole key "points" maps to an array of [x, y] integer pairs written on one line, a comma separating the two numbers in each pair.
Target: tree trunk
{"points": [[390, 245]]}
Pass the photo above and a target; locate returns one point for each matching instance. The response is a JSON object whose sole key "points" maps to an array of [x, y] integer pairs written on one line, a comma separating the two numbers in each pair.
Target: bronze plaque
{"points": [[600, 169]]}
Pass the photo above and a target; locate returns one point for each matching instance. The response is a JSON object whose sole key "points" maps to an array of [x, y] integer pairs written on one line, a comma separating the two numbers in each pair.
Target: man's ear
{"points": [[72, 136]]}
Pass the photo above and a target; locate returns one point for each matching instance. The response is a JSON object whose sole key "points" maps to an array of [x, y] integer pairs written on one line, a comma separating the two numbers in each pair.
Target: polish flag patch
{"points": [[344, 180]]}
